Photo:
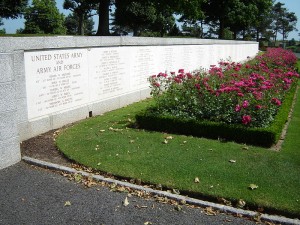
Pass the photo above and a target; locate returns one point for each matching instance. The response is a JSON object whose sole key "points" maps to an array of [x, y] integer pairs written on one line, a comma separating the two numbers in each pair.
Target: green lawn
{"points": [[107, 143]]}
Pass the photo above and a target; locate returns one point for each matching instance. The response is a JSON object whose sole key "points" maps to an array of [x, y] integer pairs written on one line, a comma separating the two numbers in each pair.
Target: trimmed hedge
{"points": [[265, 137]]}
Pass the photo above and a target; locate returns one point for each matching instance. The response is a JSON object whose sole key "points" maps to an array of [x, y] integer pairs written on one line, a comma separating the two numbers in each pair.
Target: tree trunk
{"points": [[103, 26], [135, 32], [234, 35], [283, 39], [221, 30], [81, 24], [162, 33], [201, 25], [257, 35]]}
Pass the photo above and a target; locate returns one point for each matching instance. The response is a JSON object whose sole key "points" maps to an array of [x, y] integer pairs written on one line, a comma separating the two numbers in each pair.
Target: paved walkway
{"points": [[29, 195]]}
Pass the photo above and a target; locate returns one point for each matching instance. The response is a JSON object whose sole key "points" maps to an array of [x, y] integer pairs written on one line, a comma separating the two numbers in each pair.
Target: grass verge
{"points": [[107, 143]]}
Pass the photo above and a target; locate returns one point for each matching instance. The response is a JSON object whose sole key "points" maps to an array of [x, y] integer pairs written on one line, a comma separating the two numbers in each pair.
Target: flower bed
{"points": [[233, 101]]}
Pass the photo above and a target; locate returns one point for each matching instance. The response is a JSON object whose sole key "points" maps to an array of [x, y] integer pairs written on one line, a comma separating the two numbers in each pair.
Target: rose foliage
{"points": [[230, 92]]}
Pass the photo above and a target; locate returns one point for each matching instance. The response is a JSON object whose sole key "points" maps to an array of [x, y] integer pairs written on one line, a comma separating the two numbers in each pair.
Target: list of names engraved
{"points": [[108, 72], [55, 80], [143, 64]]}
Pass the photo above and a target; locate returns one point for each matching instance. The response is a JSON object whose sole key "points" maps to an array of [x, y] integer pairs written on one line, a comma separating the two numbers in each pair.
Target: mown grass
{"points": [[107, 143]]}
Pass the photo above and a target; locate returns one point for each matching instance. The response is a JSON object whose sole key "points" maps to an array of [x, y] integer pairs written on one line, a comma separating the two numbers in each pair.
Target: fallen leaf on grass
{"points": [[169, 138], [126, 202], [241, 203], [67, 203], [115, 129], [102, 131], [224, 201], [197, 180], [245, 147], [165, 141], [175, 191], [232, 161], [253, 186], [158, 186]]}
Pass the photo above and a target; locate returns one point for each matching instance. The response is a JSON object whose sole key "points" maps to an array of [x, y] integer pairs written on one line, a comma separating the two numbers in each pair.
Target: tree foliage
{"points": [[283, 21], [12, 8], [72, 25], [134, 15], [43, 17], [236, 15], [156, 15], [164, 22], [226, 19], [2, 31], [82, 10]]}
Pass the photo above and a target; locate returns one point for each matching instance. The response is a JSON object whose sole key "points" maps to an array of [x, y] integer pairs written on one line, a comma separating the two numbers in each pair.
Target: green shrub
{"points": [[265, 137], [235, 102]]}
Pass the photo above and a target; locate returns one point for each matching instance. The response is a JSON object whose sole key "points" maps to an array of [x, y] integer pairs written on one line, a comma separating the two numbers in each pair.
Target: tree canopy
{"points": [[237, 15], [12, 8], [283, 21], [157, 16], [73, 28], [43, 17], [82, 10], [135, 16], [224, 19]]}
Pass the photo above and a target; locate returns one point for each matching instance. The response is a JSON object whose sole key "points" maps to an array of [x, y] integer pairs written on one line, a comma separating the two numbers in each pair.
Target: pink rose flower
{"points": [[246, 119], [238, 108], [245, 104]]}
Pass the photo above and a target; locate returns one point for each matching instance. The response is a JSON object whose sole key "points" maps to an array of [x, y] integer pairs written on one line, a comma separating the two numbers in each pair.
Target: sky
{"points": [[292, 5]]}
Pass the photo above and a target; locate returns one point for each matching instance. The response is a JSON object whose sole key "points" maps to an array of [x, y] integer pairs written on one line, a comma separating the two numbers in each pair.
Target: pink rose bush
{"points": [[230, 92]]}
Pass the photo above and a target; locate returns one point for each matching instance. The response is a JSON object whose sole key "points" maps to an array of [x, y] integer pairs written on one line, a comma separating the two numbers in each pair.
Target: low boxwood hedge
{"points": [[265, 137]]}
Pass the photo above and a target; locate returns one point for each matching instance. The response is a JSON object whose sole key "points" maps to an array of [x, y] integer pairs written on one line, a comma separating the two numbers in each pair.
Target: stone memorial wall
{"points": [[55, 80], [48, 82]]}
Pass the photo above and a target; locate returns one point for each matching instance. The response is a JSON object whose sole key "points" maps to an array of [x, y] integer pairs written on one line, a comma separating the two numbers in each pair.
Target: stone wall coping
{"points": [[10, 44]]}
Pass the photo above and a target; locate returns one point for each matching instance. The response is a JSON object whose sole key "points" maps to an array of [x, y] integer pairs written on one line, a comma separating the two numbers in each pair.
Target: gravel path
{"points": [[30, 195]]}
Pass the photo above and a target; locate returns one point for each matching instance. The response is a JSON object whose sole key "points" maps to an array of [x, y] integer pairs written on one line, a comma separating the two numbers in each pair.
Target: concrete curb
{"points": [[193, 201]]}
